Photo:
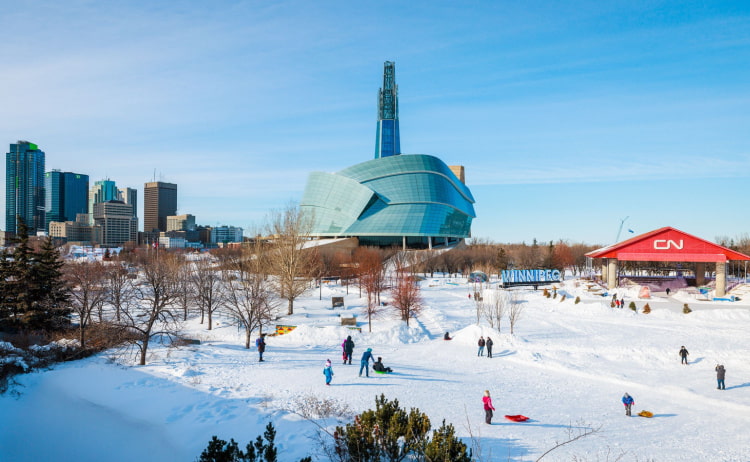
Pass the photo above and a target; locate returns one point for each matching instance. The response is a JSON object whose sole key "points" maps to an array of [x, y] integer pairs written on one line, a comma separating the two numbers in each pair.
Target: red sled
{"points": [[517, 418]]}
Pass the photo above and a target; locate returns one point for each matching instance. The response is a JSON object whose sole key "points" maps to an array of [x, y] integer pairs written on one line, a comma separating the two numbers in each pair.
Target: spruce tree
{"points": [[51, 294]]}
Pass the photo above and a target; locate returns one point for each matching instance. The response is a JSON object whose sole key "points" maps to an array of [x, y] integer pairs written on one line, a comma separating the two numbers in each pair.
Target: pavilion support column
{"points": [[721, 278], [429, 242], [403, 242], [604, 270], [700, 274], [612, 273]]}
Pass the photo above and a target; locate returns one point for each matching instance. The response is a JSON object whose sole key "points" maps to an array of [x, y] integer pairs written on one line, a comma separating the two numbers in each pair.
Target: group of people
{"points": [[720, 371], [618, 303], [482, 343], [347, 348]]}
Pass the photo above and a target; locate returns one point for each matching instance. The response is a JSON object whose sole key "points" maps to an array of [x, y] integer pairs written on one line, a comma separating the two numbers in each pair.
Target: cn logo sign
{"points": [[666, 244]]}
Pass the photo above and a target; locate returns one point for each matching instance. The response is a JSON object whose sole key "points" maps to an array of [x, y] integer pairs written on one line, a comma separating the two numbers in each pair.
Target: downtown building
{"points": [[395, 199], [24, 187], [159, 202], [66, 196], [116, 223]]}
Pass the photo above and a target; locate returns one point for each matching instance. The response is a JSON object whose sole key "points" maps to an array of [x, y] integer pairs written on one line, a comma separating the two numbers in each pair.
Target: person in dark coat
{"points": [[379, 367], [481, 346], [348, 349], [260, 343], [365, 362], [628, 401], [720, 372], [489, 347], [447, 336], [684, 354]]}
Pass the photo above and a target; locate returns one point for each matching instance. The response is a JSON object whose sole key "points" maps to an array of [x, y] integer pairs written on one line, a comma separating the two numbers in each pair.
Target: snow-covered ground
{"points": [[567, 366]]}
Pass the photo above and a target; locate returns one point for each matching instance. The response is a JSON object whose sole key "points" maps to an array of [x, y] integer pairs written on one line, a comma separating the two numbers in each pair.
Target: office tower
{"points": [[103, 190], [181, 222], [66, 195], [225, 234], [24, 187], [130, 196], [159, 202], [387, 137], [116, 221]]}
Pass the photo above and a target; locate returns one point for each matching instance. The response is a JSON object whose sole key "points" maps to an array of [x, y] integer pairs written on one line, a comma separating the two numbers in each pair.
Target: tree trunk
{"points": [[290, 307], [248, 334], [143, 351], [210, 319]]}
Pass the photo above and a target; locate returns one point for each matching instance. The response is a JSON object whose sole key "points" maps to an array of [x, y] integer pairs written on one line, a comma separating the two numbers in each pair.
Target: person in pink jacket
{"points": [[488, 407]]}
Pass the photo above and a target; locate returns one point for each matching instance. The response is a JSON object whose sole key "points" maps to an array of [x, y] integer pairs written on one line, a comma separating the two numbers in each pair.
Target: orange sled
{"points": [[646, 414], [517, 418]]}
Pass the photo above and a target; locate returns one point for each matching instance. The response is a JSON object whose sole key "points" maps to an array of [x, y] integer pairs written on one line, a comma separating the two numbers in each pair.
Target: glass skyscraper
{"points": [[24, 187], [67, 195], [387, 136]]}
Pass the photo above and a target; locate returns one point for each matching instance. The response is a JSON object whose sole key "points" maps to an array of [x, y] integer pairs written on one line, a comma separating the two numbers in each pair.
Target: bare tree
{"points": [[371, 274], [157, 290], [208, 287], [185, 292], [85, 285], [495, 309], [291, 262], [249, 296], [515, 310], [406, 297], [120, 291]]}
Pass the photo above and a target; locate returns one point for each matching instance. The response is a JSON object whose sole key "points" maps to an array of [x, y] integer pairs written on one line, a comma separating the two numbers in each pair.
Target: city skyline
{"points": [[568, 118]]}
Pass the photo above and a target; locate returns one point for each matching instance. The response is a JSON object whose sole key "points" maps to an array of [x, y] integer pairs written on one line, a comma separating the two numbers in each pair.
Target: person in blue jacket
{"points": [[365, 362], [628, 401], [328, 372]]}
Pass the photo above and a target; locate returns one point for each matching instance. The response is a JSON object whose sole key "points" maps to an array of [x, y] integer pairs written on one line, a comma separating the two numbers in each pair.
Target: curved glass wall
{"points": [[398, 196]]}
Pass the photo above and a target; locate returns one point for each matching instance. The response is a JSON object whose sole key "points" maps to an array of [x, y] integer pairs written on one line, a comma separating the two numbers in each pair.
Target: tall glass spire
{"points": [[387, 137]]}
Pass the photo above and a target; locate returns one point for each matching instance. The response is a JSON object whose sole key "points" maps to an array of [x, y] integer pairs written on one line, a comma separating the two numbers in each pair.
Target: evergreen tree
{"points": [[219, 450], [34, 293], [390, 434]]}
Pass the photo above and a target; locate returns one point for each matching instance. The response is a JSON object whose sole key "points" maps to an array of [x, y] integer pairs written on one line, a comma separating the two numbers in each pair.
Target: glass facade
{"points": [[24, 187], [387, 135], [413, 196], [66, 195]]}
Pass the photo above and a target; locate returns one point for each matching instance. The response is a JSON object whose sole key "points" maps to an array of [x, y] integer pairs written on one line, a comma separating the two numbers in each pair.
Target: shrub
{"points": [[219, 450], [578, 300], [562, 299], [391, 433], [546, 293], [632, 307], [646, 309], [686, 309]]}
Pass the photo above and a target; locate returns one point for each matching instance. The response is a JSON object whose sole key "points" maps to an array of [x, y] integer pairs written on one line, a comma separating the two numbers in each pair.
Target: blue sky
{"points": [[568, 116]]}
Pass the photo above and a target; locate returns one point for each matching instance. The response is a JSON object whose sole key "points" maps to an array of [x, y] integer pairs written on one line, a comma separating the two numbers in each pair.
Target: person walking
{"points": [[260, 343], [328, 372], [720, 372], [488, 407], [684, 354], [481, 346], [365, 362], [628, 401], [348, 349], [489, 343]]}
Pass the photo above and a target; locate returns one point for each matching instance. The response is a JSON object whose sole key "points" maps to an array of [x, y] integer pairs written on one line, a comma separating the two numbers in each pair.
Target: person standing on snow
{"points": [[489, 347], [488, 407], [260, 343], [684, 354], [348, 346], [481, 346], [720, 371], [328, 372], [628, 401], [365, 362]]}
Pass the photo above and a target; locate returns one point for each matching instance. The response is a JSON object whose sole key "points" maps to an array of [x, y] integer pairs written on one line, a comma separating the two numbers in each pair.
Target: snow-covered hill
{"points": [[567, 366]]}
